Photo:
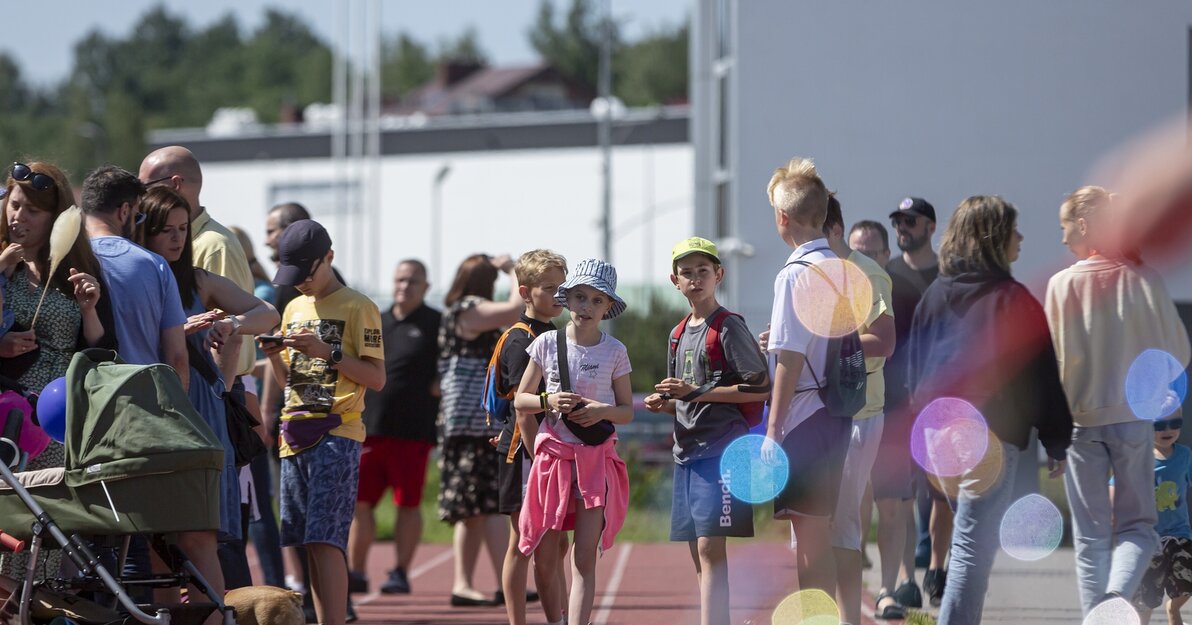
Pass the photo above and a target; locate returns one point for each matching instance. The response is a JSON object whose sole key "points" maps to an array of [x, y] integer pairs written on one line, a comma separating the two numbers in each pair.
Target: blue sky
{"points": [[501, 25]]}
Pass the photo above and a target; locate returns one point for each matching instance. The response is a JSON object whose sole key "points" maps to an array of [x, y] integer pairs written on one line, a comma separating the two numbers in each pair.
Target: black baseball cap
{"points": [[916, 206], [300, 245]]}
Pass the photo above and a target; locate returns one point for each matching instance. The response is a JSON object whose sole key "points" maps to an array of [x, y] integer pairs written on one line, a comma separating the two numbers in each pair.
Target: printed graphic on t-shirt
{"points": [[1167, 496], [312, 381]]}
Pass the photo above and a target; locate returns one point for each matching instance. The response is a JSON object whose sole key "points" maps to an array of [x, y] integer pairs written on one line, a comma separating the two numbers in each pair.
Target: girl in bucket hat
{"points": [[577, 480]]}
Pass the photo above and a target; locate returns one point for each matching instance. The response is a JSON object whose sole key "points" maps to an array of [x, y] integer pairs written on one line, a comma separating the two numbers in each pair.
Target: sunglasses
{"points": [[1170, 424], [158, 181], [22, 173], [909, 220]]}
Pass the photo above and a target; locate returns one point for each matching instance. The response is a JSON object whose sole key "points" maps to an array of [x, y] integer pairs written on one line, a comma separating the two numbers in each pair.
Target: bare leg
{"points": [[711, 567], [468, 536], [547, 573], [293, 564], [561, 589], [407, 534], [361, 536], [328, 582], [912, 539], [891, 542], [848, 584], [817, 566], [513, 578], [941, 533], [1173, 610], [866, 520], [496, 538], [588, 524]]}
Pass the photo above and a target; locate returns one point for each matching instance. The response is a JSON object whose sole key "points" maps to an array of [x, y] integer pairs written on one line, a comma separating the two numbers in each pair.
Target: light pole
{"points": [[436, 221]]}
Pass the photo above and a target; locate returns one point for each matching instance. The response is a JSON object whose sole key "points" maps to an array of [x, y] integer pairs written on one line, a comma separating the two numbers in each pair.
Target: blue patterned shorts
{"points": [[318, 493]]}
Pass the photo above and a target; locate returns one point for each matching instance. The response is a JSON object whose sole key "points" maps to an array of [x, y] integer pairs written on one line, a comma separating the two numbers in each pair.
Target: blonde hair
{"points": [[797, 190], [1085, 202], [977, 236], [533, 265]]}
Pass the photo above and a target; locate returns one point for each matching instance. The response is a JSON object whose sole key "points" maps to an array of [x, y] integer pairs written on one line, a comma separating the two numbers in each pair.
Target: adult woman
{"points": [[979, 336], [218, 310], [74, 314], [468, 464]]}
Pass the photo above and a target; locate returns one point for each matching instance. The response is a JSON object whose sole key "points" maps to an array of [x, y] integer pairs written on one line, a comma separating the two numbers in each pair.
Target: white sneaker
{"points": [[295, 585]]}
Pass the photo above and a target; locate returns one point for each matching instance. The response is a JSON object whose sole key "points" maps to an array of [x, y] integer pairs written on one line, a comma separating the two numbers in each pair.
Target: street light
{"points": [[436, 220]]}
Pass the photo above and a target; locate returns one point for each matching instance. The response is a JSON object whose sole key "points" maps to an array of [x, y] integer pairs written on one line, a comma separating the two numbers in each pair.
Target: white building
{"points": [[936, 98]]}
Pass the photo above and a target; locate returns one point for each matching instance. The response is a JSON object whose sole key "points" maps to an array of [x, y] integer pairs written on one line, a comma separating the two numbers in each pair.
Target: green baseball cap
{"points": [[694, 245]]}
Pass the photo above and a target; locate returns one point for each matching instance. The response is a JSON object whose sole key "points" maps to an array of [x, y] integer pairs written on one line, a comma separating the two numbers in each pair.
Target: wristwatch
{"points": [[337, 354]]}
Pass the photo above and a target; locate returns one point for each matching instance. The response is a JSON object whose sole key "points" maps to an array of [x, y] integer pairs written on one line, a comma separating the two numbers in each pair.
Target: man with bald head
{"points": [[217, 250]]}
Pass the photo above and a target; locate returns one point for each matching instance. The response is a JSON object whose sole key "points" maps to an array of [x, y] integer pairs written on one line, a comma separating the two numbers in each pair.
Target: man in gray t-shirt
{"points": [[705, 429]]}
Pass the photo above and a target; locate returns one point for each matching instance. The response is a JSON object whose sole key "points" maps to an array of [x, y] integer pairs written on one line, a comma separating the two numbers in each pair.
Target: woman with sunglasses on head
{"points": [[981, 337], [217, 310], [74, 314]]}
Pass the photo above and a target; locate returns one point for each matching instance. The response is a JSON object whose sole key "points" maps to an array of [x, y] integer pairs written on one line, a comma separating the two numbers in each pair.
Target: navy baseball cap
{"points": [[300, 245], [915, 206]]}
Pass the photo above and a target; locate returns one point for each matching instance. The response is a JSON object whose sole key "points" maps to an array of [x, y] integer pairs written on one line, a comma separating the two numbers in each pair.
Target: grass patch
{"points": [[919, 617]]}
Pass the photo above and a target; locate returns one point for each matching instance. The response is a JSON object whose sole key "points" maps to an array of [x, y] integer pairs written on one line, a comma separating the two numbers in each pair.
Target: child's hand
{"points": [[563, 402], [86, 289], [763, 339], [494, 441], [11, 255], [655, 402], [309, 343], [271, 348], [771, 450], [674, 387], [1055, 468], [587, 414]]}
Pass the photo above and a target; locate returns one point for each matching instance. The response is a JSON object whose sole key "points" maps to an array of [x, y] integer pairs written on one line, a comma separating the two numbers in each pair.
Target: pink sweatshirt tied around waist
{"points": [[603, 481]]}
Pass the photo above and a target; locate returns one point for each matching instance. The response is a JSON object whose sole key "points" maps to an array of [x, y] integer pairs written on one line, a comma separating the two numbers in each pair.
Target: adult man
{"points": [[217, 250], [891, 478], [400, 420], [914, 223]]}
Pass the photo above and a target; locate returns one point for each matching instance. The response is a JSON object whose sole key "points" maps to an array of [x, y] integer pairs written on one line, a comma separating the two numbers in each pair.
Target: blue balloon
{"points": [[51, 409]]}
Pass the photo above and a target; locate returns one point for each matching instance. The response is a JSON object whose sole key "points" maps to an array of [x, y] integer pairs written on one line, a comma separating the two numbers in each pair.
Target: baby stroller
{"points": [[139, 460]]}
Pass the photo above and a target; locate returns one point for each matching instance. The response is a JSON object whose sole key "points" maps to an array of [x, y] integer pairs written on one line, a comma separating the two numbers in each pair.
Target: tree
{"points": [[573, 46], [653, 70], [405, 65], [465, 49]]}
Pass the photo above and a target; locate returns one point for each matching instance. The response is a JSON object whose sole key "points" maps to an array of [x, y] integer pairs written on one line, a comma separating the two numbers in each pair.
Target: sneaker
{"points": [[908, 595], [397, 584], [933, 585], [357, 582], [293, 584]]}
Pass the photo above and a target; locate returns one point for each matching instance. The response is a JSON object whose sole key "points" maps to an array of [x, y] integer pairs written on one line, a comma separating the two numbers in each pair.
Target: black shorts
{"points": [[511, 480], [816, 449], [1170, 571], [702, 506], [893, 475]]}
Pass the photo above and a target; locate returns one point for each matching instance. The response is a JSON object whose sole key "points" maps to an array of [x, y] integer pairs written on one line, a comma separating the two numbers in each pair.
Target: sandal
{"points": [[892, 612]]}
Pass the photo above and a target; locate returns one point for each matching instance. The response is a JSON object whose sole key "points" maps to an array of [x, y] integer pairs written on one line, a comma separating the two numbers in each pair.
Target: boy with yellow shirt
{"points": [[331, 352]]}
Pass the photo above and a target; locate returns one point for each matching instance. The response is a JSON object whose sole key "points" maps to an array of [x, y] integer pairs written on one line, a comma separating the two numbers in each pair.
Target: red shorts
{"points": [[393, 462]]}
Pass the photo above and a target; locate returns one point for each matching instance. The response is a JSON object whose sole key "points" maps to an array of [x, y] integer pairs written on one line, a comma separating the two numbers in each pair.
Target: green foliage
{"points": [[572, 45], [653, 70], [465, 49], [645, 331], [405, 65]]}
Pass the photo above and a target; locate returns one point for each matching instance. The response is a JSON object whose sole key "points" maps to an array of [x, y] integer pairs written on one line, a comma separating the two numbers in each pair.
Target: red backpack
{"points": [[721, 374]]}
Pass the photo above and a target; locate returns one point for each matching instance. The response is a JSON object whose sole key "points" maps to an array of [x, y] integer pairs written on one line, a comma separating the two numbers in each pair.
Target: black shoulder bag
{"points": [[246, 445], [594, 434]]}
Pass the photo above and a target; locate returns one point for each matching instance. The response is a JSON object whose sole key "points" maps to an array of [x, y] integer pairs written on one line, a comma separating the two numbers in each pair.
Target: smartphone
{"points": [[271, 339]]}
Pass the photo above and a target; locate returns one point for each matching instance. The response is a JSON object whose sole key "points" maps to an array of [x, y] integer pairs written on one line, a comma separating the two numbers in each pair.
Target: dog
{"points": [[265, 605]]}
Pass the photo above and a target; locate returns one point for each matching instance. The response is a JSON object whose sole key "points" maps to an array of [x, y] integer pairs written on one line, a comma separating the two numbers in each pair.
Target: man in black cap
{"points": [[330, 352], [918, 266]]}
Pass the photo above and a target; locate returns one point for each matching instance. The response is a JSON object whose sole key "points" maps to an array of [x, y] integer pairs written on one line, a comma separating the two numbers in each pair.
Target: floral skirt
{"points": [[468, 483]]}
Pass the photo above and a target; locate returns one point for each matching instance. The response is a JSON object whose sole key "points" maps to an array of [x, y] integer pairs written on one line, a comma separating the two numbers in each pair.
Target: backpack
{"points": [[722, 375], [496, 404], [843, 387]]}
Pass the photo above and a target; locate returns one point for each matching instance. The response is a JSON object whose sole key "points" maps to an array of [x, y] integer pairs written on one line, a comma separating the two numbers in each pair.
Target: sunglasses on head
{"points": [[1170, 424], [22, 173], [909, 220], [158, 181]]}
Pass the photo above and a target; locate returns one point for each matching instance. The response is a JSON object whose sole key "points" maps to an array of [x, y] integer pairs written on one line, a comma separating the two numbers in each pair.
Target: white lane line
{"points": [[614, 584], [414, 573]]}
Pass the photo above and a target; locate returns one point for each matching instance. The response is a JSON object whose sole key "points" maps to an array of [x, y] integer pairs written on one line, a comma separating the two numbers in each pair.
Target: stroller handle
{"points": [[10, 433], [7, 541]]}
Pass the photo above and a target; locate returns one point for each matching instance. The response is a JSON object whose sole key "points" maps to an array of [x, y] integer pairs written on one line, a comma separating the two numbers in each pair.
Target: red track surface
{"points": [[639, 584]]}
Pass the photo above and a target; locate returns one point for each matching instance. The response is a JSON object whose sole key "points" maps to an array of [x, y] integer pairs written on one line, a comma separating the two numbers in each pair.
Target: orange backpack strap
{"points": [[493, 371], [515, 440]]}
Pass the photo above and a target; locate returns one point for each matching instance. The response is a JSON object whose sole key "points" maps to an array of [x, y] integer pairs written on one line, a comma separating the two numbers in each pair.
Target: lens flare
{"points": [[1032, 528], [832, 297], [1153, 379], [1113, 612], [747, 475], [807, 607], [978, 479], [949, 437]]}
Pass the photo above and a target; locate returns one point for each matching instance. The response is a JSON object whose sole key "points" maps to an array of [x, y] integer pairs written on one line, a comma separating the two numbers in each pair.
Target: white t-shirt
{"points": [[788, 332], [592, 370]]}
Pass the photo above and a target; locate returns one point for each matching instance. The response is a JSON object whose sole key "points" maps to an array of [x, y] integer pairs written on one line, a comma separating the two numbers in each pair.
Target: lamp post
{"points": [[436, 220]]}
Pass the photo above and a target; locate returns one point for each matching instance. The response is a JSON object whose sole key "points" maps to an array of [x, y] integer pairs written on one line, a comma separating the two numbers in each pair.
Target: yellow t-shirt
{"points": [[883, 304], [217, 250], [314, 389]]}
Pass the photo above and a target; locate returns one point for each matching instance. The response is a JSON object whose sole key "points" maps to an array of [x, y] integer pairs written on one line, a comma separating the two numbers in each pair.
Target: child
{"points": [[592, 474], [1171, 566], [707, 418], [539, 274], [332, 350]]}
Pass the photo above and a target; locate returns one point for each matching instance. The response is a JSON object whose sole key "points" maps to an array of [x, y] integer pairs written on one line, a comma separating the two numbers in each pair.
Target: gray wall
{"points": [[942, 99]]}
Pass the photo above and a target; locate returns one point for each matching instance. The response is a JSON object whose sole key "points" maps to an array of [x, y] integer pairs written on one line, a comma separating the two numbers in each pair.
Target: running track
{"points": [[638, 584]]}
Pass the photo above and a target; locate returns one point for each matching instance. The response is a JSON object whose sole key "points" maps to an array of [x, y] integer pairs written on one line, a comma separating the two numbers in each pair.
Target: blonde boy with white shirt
{"points": [[1103, 312], [815, 442]]}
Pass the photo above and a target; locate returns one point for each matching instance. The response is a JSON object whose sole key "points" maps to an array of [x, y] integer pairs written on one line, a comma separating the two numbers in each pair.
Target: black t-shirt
{"points": [[906, 293], [920, 279], [405, 407], [513, 361]]}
